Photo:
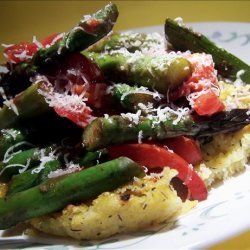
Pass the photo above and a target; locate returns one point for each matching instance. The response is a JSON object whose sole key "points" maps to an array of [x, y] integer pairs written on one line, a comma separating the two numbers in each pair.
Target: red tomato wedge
{"points": [[80, 117], [204, 75], [52, 39], [20, 52], [92, 25], [24, 51], [96, 94], [153, 156], [186, 147], [203, 78], [72, 78], [208, 104], [77, 69]]}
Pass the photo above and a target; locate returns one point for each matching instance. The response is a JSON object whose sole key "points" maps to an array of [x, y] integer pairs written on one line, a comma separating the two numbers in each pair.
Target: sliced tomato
{"points": [[75, 73], [52, 39], [78, 69], [203, 78], [91, 25], [80, 117], [186, 147], [97, 94], [204, 74], [208, 104], [20, 52], [153, 156], [72, 79], [24, 51]]}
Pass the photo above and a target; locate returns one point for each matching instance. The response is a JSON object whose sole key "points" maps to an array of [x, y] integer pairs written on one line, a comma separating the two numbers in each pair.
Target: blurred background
{"points": [[21, 20]]}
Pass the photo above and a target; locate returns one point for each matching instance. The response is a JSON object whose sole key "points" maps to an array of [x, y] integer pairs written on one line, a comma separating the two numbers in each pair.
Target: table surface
{"points": [[23, 19]]}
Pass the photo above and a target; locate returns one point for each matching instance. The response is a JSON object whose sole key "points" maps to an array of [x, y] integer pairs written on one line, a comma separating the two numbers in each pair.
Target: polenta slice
{"points": [[133, 207]]}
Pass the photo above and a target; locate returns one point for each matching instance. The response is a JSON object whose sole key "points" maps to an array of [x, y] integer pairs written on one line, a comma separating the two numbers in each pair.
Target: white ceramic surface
{"points": [[224, 214]]}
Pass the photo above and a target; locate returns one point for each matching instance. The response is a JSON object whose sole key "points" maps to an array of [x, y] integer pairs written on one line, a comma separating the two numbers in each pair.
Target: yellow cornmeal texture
{"points": [[227, 154], [136, 206], [235, 95]]}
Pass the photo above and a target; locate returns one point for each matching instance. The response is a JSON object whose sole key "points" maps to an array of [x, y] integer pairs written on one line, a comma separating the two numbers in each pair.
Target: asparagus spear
{"points": [[118, 129], [27, 104], [155, 72], [131, 97], [8, 138], [55, 194], [92, 158], [26, 158], [183, 38], [86, 32], [30, 178], [130, 41], [17, 162]]}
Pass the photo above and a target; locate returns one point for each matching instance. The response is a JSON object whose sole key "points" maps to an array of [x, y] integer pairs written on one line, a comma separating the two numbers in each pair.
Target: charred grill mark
{"points": [[125, 197]]}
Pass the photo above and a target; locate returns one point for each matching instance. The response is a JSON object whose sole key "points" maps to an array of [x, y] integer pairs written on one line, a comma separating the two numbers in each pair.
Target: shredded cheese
{"points": [[21, 170], [72, 168], [164, 113], [43, 160], [179, 20], [9, 103], [135, 118], [13, 133], [36, 42], [140, 136], [189, 174], [55, 40], [10, 151], [3, 69], [7, 45]]}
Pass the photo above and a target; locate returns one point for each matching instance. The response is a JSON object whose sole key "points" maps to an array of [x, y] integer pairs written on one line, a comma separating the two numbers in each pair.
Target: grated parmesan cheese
{"points": [[189, 174], [22, 170], [55, 40], [164, 113], [23, 55], [138, 90], [70, 103], [7, 45], [135, 118], [179, 20], [3, 69], [65, 158], [60, 172], [239, 74], [13, 133], [36, 42], [9, 103], [140, 136], [43, 160], [10, 151]]}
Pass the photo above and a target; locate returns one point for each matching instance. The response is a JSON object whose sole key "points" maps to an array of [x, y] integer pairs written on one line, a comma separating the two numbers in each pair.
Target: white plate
{"points": [[224, 214]]}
